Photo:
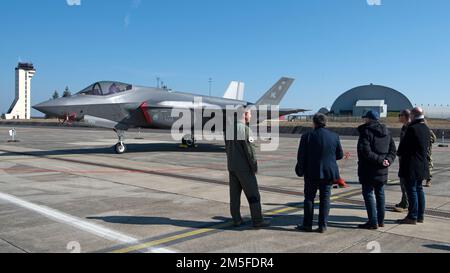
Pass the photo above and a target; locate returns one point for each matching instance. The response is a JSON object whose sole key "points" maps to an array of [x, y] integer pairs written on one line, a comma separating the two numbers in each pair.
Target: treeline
{"points": [[66, 93]]}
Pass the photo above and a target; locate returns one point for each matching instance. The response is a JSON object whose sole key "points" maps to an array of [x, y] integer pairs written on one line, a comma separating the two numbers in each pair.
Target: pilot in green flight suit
{"points": [[242, 167]]}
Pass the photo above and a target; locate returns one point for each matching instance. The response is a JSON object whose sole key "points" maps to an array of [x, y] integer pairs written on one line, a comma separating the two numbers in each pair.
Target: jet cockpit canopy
{"points": [[106, 88]]}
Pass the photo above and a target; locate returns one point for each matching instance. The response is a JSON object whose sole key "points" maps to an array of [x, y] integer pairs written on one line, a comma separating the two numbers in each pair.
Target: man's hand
{"points": [[386, 163]]}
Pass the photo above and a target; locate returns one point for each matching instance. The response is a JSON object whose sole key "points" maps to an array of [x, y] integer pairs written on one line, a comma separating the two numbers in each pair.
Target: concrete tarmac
{"points": [[65, 190]]}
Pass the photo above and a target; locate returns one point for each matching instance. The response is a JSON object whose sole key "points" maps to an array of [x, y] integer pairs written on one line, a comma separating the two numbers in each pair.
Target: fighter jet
{"points": [[121, 106]]}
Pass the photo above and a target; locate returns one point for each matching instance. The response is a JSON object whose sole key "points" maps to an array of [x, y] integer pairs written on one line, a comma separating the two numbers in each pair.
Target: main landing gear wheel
{"points": [[188, 141], [120, 148]]}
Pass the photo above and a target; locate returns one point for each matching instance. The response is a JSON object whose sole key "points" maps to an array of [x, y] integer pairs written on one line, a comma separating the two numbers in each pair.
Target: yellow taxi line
{"points": [[212, 228]]}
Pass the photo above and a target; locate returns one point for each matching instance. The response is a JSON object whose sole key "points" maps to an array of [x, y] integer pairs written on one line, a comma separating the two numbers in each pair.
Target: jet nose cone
{"points": [[44, 107]]}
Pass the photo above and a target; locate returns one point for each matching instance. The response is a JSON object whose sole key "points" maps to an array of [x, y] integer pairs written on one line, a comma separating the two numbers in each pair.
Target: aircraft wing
{"points": [[104, 123], [288, 111]]}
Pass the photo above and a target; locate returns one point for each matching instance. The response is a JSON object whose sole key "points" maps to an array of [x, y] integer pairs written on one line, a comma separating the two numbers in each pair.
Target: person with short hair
{"points": [[413, 151], [242, 168], [376, 153], [316, 161], [405, 118]]}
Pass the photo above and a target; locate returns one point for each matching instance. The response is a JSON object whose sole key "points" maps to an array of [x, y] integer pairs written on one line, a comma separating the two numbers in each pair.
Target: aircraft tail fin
{"points": [[235, 91], [276, 93]]}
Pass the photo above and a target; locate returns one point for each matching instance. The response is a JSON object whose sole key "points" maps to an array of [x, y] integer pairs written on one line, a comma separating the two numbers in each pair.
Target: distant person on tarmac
{"points": [[433, 140], [404, 118], [376, 153], [414, 167], [242, 167], [316, 161]]}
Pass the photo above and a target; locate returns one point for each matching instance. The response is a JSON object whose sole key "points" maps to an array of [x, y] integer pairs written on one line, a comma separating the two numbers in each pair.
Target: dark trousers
{"points": [[311, 188], [416, 198], [375, 202], [404, 202], [245, 181]]}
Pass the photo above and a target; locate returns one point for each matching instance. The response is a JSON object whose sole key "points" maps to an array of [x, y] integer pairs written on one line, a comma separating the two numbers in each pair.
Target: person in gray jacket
{"points": [[242, 168]]}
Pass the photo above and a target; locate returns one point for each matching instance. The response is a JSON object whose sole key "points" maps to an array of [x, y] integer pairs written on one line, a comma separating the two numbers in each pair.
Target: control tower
{"points": [[21, 106]]}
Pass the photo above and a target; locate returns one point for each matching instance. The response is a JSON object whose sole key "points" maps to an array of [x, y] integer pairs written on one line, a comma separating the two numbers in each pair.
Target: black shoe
{"points": [[368, 226], [401, 205], [380, 224], [321, 230], [420, 220], [303, 228], [261, 224], [237, 223], [407, 221]]}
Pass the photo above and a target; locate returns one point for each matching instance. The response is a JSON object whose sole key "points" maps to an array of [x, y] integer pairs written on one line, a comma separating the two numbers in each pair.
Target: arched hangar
{"points": [[358, 100]]}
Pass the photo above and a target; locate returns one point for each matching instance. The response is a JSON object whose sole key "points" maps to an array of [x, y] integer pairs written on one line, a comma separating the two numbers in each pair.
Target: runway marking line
{"points": [[194, 233], [76, 222]]}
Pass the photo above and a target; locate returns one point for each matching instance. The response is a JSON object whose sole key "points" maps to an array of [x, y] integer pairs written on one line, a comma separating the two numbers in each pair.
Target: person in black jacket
{"points": [[317, 155], [413, 151], [405, 118], [376, 152]]}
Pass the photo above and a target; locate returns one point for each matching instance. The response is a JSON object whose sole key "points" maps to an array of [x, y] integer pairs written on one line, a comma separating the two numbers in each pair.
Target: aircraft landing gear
{"points": [[120, 147], [188, 141]]}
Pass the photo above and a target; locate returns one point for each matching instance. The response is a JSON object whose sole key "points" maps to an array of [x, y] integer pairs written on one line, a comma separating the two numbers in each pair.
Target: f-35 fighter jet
{"points": [[121, 106]]}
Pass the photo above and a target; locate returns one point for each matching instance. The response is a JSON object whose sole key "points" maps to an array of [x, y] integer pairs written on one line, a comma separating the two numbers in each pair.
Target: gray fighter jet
{"points": [[121, 106]]}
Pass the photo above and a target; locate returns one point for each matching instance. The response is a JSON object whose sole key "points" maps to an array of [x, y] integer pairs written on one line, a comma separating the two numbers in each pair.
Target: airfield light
{"points": [[443, 145], [12, 134]]}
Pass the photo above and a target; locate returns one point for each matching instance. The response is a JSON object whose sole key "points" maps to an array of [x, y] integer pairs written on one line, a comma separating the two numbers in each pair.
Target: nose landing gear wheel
{"points": [[120, 148]]}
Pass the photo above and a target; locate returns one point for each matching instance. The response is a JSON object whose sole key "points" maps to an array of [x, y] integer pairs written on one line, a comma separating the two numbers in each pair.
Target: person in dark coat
{"points": [[376, 152], [414, 165], [317, 155], [405, 118]]}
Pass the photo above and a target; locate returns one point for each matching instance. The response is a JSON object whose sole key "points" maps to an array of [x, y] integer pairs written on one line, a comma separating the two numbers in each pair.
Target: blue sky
{"points": [[329, 46]]}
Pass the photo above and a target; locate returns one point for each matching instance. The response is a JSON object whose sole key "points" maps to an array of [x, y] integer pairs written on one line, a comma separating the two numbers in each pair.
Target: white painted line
{"points": [[110, 142], [76, 222]]}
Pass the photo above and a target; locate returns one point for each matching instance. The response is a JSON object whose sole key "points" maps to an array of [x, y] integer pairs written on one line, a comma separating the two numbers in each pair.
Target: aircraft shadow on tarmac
{"points": [[131, 148]]}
